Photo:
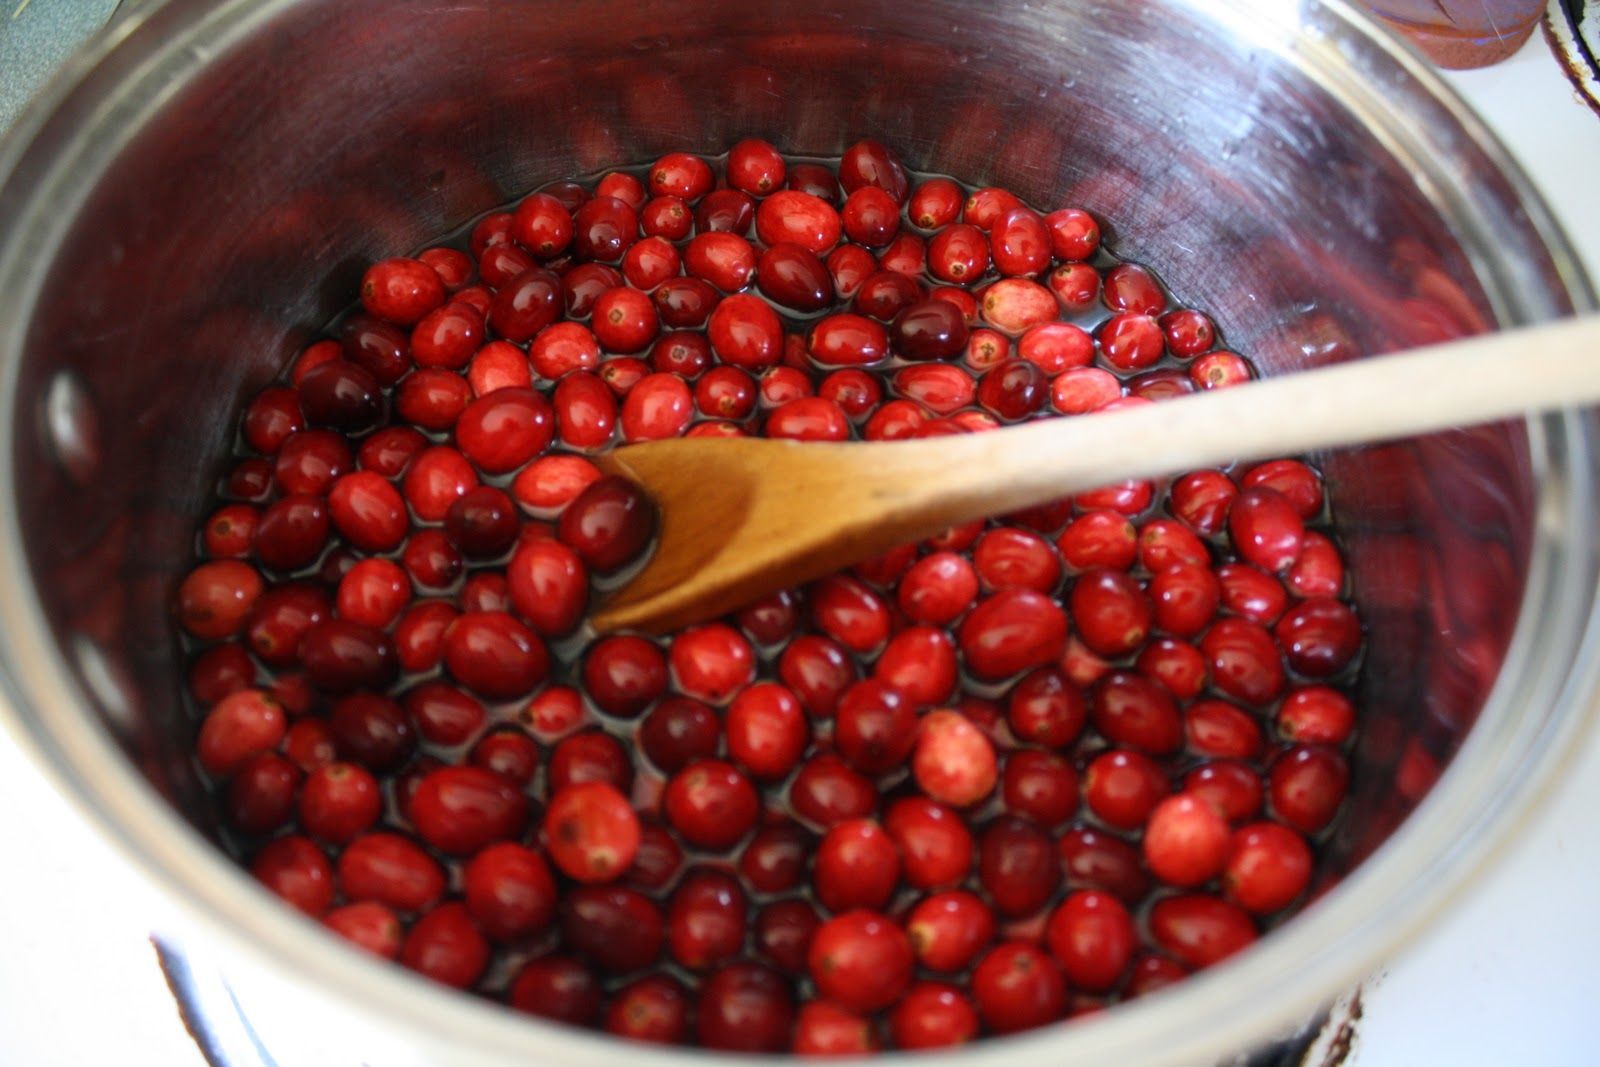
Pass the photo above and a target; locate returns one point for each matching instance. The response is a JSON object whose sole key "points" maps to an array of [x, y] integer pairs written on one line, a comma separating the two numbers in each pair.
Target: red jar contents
{"points": [[1007, 776]]}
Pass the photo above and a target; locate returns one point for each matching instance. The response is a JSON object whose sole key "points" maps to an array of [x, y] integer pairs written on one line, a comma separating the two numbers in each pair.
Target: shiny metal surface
{"points": [[182, 209]]}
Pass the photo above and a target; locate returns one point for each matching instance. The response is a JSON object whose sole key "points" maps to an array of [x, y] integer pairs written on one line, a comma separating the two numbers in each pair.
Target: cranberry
{"points": [[616, 929], [825, 1029], [297, 871], [857, 866], [1251, 593], [1094, 859], [603, 228], [783, 933], [609, 524], [1012, 631], [744, 1007], [953, 762], [216, 598], [755, 167], [505, 429], [1113, 613], [590, 757], [1319, 637], [655, 865], [1040, 786], [1231, 787], [1130, 710], [1017, 866], [557, 988], [591, 831], [678, 732], [1316, 715], [390, 870], [1018, 987], [800, 218], [1092, 938], [624, 675], [1123, 787], [938, 589], [1307, 785], [933, 1015], [1203, 500], [848, 341], [826, 791], [1268, 867], [339, 801], [767, 731], [1266, 529], [1014, 390], [1046, 709], [1199, 929], [654, 1008], [861, 960], [1244, 661], [775, 859], [369, 925], [1186, 841], [549, 586], [711, 804], [494, 655]]}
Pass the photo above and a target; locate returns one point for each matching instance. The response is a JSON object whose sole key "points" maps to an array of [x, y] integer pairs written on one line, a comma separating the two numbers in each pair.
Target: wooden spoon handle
{"points": [[1479, 379]]}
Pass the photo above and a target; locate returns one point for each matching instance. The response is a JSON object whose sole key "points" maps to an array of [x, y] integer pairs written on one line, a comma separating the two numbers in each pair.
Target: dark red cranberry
{"points": [[342, 395], [557, 988], [615, 928], [744, 1007], [1094, 859]]}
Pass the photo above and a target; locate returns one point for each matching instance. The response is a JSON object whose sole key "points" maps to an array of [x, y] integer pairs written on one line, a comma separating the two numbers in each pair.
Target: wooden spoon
{"points": [[745, 517]]}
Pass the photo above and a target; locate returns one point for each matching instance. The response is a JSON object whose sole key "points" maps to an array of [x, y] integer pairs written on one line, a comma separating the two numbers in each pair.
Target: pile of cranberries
{"points": [[1013, 774]]}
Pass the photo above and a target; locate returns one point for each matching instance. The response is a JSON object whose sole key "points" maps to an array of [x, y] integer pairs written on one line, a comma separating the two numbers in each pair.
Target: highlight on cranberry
{"points": [[1012, 775]]}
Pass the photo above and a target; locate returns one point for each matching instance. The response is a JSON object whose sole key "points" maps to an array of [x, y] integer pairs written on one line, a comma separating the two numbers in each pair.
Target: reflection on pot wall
{"points": [[239, 212]]}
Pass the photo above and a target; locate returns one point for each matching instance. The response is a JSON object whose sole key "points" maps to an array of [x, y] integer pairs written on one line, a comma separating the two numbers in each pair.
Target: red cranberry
{"points": [[1018, 987], [494, 655], [678, 732], [1268, 867], [297, 871], [339, 801], [1016, 389], [826, 791], [861, 960], [591, 832], [1316, 715], [1266, 529], [1122, 788], [1092, 938], [1244, 661], [654, 1008], [1046, 709], [800, 218], [1132, 711], [1231, 787], [1186, 841], [933, 1015], [459, 810], [783, 933], [1040, 786], [767, 731], [216, 598], [502, 431], [557, 988], [711, 804], [825, 1029], [1012, 631], [590, 757], [857, 866], [616, 929], [262, 793], [1307, 785], [744, 1007], [1199, 929], [369, 925], [1319, 637], [401, 291], [1017, 866], [609, 524], [391, 870], [775, 859], [549, 586], [1112, 612], [1093, 859], [755, 167]]}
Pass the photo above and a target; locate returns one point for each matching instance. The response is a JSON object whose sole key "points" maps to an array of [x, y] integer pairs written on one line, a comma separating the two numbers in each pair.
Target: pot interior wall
{"points": [[245, 203]]}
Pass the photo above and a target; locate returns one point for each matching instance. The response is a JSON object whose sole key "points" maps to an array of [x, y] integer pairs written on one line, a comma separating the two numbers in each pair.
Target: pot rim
{"points": [[1505, 769]]}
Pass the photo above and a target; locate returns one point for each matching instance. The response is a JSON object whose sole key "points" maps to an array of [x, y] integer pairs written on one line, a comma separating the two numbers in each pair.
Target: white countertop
{"points": [[1512, 976]]}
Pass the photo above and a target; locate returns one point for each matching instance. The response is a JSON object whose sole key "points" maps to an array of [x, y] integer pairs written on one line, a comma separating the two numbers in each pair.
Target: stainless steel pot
{"points": [[195, 195]]}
